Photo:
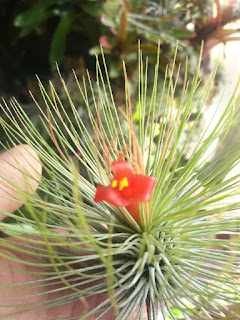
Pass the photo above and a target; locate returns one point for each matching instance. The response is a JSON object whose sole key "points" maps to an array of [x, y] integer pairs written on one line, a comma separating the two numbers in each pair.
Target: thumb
{"points": [[20, 173]]}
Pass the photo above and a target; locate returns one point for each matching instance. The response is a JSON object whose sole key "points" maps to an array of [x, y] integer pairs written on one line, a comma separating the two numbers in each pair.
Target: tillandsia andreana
{"points": [[73, 255]]}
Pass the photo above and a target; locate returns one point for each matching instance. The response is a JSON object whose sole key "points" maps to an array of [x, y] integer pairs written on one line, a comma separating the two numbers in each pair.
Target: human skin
{"points": [[15, 165]]}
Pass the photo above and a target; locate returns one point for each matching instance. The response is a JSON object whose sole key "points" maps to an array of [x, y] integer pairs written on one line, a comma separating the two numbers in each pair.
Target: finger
{"points": [[20, 173], [21, 292]]}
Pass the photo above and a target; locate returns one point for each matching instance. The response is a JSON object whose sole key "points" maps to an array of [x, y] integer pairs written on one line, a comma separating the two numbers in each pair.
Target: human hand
{"points": [[20, 169]]}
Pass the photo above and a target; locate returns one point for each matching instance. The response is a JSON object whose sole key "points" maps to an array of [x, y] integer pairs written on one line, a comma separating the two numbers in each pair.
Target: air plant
{"points": [[212, 29], [138, 226]]}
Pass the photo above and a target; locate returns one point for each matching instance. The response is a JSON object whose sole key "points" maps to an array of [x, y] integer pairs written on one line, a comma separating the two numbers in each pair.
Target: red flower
{"points": [[126, 189]]}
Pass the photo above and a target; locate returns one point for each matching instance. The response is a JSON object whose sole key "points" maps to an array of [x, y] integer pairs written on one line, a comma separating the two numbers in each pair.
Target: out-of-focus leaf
{"points": [[107, 21], [111, 7], [233, 39], [136, 117], [128, 6], [136, 4], [94, 9], [122, 27], [176, 312], [58, 44], [181, 33], [221, 33], [31, 18], [146, 48]]}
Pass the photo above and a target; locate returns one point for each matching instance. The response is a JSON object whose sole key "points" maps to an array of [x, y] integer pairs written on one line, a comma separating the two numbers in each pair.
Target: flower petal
{"points": [[121, 169], [133, 209], [142, 187], [111, 195]]}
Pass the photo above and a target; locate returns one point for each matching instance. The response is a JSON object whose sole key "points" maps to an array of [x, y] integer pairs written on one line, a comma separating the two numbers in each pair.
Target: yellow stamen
{"points": [[114, 183], [123, 184]]}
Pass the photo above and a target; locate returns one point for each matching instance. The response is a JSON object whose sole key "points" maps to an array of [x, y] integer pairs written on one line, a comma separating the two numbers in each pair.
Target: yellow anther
{"points": [[123, 183], [114, 183]]}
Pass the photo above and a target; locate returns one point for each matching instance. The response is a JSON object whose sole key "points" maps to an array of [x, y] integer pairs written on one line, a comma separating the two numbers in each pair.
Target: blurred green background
{"points": [[38, 34]]}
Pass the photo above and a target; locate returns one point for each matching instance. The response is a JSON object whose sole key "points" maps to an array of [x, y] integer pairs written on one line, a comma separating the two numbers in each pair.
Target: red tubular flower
{"points": [[126, 189]]}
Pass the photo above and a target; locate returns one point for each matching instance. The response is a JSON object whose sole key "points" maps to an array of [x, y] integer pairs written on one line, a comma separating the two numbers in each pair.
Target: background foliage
{"points": [[41, 33]]}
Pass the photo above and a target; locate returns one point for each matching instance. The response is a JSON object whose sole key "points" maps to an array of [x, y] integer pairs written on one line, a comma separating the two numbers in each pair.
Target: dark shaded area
{"points": [[22, 57]]}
